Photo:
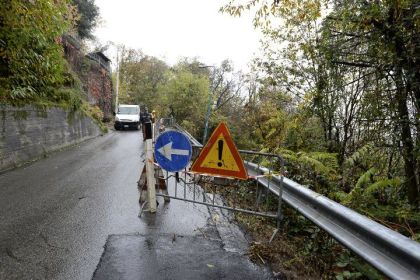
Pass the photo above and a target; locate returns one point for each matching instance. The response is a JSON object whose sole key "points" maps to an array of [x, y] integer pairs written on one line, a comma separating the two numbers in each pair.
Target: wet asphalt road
{"points": [[57, 214]]}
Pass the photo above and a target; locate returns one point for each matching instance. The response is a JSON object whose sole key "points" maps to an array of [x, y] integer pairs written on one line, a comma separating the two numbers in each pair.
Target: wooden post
{"points": [[150, 170]]}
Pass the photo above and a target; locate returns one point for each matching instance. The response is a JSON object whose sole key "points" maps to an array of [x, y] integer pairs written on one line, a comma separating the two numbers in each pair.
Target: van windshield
{"points": [[128, 110]]}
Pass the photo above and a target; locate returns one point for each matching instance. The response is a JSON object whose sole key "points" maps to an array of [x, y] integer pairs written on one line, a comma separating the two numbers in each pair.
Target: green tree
{"points": [[141, 76], [382, 39], [87, 19], [185, 96], [357, 63], [180, 91], [31, 55]]}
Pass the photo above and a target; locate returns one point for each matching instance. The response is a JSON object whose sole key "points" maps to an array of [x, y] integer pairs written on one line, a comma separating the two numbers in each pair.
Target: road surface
{"points": [[57, 214]]}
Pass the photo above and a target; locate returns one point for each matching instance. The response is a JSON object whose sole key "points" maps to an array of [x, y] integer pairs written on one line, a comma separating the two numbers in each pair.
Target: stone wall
{"points": [[27, 133]]}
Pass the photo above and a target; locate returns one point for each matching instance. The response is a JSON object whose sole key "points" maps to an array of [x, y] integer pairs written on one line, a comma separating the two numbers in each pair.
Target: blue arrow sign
{"points": [[173, 151]]}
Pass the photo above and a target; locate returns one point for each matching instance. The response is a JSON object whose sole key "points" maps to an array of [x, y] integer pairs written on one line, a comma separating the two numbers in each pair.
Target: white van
{"points": [[127, 116]]}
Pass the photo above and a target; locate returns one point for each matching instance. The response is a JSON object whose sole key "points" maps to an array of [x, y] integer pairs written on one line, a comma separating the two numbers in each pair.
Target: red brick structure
{"points": [[99, 83], [72, 53], [94, 71]]}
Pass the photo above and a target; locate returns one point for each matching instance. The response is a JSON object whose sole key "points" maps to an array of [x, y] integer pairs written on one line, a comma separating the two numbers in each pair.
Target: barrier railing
{"points": [[205, 189]]}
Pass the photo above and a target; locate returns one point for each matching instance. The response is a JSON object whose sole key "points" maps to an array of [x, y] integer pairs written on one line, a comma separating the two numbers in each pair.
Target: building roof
{"points": [[101, 59], [101, 54]]}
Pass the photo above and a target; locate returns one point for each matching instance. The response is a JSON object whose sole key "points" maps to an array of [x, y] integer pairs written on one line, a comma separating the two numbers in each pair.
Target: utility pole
{"points": [[206, 123], [117, 82], [209, 104]]}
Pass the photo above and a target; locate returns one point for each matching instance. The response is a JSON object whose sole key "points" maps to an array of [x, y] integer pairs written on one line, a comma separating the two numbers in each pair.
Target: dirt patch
{"points": [[282, 254]]}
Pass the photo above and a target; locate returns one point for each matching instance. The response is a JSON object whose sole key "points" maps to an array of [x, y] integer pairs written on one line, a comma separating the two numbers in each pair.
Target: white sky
{"points": [[171, 29]]}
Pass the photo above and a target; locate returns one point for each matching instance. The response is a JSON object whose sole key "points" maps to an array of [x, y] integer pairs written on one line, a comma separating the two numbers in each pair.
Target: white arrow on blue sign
{"points": [[173, 151]]}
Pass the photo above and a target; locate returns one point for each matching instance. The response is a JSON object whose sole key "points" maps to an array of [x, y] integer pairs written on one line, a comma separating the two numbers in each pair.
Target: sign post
{"points": [[150, 170]]}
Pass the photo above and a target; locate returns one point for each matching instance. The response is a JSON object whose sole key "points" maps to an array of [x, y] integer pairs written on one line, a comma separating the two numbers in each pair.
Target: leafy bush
{"points": [[96, 114]]}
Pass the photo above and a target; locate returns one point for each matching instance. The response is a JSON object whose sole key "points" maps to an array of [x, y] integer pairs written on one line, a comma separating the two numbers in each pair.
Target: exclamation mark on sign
{"points": [[220, 150]]}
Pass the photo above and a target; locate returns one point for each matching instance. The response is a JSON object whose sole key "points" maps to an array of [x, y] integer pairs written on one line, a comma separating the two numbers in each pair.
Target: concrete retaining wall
{"points": [[27, 133]]}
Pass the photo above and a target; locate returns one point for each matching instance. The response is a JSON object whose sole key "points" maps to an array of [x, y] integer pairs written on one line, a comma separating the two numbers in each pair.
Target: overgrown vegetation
{"points": [[33, 69], [300, 249], [95, 113], [31, 57], [337, 95]]}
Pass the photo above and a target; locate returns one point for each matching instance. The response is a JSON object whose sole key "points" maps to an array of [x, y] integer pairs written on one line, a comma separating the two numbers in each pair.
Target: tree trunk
{"points": [[406, 140], [402, 95]]}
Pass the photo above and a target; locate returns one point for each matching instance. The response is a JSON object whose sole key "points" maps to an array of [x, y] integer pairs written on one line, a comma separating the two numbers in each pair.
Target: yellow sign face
{"points": [[220, 157]]}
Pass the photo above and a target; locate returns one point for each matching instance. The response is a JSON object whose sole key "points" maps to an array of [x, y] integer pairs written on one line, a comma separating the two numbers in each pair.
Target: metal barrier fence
{"points": [[220, 192], [397, 256], [211, 191]]}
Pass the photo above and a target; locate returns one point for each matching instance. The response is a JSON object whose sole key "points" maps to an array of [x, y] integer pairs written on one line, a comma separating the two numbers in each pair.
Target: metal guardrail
{"points": [[194, 142], [395, 255]]}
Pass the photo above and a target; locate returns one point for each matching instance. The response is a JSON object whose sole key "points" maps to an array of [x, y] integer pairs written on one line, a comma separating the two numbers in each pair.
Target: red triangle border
{"points": [[196, 166]]}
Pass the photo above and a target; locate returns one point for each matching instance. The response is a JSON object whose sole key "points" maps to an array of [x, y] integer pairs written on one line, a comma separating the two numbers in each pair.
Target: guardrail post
{"points": [[150, 170], [280, 198]]}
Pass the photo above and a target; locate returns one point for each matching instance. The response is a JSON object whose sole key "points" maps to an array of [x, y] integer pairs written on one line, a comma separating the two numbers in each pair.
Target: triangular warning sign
{"points": [[220, 157]]}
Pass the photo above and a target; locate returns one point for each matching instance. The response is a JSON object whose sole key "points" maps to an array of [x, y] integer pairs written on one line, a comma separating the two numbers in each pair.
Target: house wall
{"points": [[99, 89], [96, 77]]}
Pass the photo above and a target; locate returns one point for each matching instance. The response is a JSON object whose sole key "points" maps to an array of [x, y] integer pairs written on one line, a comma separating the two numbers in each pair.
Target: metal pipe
{"points": [[220, 206]]}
